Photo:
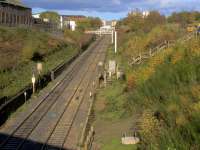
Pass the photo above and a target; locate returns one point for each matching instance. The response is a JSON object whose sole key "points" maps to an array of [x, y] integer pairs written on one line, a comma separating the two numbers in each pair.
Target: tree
{"points": [[52, 16], [89, 23], [134, 21], [153, 19], [139, 23], [95, 23], [184, 18]]}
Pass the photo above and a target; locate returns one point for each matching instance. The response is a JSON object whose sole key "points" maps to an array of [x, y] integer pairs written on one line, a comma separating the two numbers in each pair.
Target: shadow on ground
{"points": [[8, 142]]}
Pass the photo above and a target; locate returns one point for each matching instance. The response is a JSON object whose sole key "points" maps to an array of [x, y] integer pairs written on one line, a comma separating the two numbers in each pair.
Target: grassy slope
{"points": [[17, 49], [167, 97], [165, 93]]}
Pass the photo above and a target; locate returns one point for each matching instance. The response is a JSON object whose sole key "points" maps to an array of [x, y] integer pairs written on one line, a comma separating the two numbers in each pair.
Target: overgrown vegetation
{"points": [[52, 16], [185, 18], [21, 49], [161, 95], [89, 23], [166, 93]]}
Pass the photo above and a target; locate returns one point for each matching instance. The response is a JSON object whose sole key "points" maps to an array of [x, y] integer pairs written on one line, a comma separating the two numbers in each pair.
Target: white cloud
{"points": [[116, 2], [115, 6]]}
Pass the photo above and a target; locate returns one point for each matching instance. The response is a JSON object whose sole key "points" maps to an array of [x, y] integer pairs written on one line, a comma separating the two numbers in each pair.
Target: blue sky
{"points": [[111, 9]]}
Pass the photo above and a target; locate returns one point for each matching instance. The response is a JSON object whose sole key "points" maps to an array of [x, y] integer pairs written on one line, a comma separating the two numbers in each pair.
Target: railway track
{"points": [[50, 122], [60, 134]]}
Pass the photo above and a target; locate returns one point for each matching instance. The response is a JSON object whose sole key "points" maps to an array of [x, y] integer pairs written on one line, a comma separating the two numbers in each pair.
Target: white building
{"points": [[72, 25], [66, 23], [36, 16], [104, 22], [145, 14], [106, 28], [138, 12]]}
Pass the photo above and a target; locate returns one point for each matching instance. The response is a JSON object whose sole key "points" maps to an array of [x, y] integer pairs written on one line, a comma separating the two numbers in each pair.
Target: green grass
{"points": [[114, 99], [115, 144], [16, 80]]}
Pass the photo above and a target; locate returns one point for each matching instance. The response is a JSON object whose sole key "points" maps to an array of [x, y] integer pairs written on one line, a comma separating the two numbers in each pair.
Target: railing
{"points": [[98, 32], [152, 51], [87, 134]]}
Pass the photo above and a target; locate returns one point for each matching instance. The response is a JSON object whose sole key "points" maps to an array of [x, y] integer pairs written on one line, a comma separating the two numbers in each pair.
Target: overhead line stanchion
{"points": [[115, 41], [112, 34], [33, 82]]}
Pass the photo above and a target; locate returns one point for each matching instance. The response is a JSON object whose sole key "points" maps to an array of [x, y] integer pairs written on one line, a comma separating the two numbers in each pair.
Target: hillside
{"points": [[21, 49]]}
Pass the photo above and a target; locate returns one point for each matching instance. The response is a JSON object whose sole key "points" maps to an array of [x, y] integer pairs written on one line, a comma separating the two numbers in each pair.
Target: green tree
{"points": [[134, 21], [89, 23], [184, 18], [153, 19], [52, 16], [95, 23]]}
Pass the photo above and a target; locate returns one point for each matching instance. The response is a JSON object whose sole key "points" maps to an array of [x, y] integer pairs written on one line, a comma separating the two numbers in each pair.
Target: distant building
{"points": [[106, 28], [104, 22], [43, 23], [137, 12], [72, 25], [69, 21], [109, 25], [114, 23], [69, 25], [14, 13], [73, 17], [145, 14], [37, 16], [46, 20]]}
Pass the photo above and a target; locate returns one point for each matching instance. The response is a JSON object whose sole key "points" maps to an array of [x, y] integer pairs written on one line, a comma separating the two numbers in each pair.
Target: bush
{"points": [[171, 95]]}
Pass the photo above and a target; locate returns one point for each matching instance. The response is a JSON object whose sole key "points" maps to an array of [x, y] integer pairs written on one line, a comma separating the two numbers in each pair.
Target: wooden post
{"points": [[150, 52], [105, 79], [140, 57]]}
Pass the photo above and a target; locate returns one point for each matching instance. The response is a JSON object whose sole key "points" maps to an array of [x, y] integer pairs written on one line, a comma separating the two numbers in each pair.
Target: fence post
{"points": [[168, 44], [105, 78], [150, 52], [140, 57]]}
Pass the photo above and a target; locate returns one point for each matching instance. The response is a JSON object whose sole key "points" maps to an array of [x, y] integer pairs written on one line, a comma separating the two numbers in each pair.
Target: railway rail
{"points": [[51, 121]]}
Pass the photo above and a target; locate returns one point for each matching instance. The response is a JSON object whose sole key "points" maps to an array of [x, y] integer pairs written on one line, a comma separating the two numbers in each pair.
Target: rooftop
{"points": [[74, 16], [13, 2]]}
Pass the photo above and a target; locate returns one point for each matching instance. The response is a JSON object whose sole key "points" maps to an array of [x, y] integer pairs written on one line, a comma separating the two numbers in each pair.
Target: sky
{"points": [[111, 9]]}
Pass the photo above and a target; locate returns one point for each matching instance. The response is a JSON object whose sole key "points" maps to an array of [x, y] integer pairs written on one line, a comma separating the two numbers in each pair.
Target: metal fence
{"points": [[152, 51]]}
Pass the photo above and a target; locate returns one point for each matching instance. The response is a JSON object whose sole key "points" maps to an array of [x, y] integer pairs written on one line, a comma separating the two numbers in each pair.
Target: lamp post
{"points": [[33, 82], [39, 70], [25, 96]]}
